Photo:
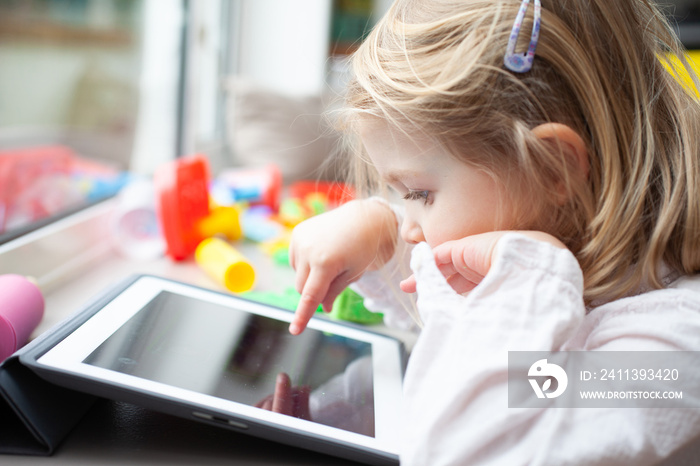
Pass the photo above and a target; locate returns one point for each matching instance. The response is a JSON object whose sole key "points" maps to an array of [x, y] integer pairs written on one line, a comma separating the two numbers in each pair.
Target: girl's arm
{"points": [[334, 249]]}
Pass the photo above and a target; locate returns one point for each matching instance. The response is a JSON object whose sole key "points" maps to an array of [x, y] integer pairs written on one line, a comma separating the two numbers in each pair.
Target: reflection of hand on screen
{"points": [[289, 400]]}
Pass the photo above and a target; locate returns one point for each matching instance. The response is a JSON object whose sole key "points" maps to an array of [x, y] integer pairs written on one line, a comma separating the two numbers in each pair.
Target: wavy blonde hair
{"points": [[436, 66]]}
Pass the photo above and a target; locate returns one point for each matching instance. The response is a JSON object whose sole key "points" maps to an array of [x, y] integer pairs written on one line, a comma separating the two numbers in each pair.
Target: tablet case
{"points": [[35, 415]]}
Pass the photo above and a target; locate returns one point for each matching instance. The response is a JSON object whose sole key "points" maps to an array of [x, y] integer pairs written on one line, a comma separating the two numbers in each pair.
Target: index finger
{"points": [[315, 289], [282, 401]]}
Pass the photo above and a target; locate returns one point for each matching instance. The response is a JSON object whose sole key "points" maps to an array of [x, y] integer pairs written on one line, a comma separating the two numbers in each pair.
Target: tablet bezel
{"points": [[64, 361]]}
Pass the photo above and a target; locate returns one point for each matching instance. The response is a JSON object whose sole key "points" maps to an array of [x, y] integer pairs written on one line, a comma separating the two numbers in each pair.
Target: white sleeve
{"points": [[380, 288], [456, 385], [346, 401]]}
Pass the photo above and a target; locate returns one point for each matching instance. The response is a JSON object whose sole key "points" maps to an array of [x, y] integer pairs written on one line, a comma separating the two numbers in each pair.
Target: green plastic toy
{"points": [[288, 299], [348, 306]]}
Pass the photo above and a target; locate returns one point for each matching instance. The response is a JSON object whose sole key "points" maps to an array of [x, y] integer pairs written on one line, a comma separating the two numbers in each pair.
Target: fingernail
{"points": [[294, 329]]}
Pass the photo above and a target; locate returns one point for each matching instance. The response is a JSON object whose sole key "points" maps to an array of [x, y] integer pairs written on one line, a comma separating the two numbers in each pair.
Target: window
{"points": [[88, 90], [93, 89]]}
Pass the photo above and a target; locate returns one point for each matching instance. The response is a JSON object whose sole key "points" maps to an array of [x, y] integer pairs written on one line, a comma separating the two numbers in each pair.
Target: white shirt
{"points": [[531, 300]]}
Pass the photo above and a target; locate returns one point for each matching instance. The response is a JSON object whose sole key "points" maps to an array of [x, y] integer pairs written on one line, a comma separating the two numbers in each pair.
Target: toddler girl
{"points": [[549, 165]]}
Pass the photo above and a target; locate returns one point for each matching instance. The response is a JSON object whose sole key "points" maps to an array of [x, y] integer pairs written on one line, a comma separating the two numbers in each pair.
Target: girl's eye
{"points": [[418, 195]]}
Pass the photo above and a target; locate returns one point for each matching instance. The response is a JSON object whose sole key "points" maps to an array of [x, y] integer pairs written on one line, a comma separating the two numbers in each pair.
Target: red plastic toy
{"points": [[337, 193], [182, 200]]}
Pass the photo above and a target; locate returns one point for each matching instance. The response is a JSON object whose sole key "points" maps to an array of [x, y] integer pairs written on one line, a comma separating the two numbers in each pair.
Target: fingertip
{"points": [[294, 328], [283, 379], [327, 307], [408, 285]]}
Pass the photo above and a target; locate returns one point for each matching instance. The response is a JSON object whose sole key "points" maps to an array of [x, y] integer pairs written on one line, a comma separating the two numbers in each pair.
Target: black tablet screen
{"points": [[232, 354]]}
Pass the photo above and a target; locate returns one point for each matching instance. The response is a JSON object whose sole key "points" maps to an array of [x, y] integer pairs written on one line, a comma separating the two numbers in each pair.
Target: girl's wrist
{"points": [[384, 227], [386, 208]]}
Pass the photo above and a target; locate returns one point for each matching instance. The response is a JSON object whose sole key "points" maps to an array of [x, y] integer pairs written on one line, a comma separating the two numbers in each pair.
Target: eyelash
{"points": [[417, 195]]}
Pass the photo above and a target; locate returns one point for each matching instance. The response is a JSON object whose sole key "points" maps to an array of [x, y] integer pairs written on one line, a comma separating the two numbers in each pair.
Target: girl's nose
{"points": [[411, 231]]}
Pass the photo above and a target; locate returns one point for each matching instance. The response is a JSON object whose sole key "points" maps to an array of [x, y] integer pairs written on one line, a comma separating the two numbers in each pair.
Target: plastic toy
{"points": [[281, 256], [182, 200], [41, 181], [293, 212], [336, 193], [185, 213], [134, 226], [350, 306], [309, 198], [222, 220], [288, 299], [306, 199], [21, 310], [261, 185], [225, 265], [258, 224], [278, 248], [317, 203], [347, 306]]}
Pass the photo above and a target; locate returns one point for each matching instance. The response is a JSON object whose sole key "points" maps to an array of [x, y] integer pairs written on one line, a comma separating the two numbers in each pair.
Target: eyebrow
{"points": [[399, 175]]}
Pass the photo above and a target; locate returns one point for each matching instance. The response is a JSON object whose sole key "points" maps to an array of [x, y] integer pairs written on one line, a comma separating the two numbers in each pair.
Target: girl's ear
{"points": [[571, 144]]}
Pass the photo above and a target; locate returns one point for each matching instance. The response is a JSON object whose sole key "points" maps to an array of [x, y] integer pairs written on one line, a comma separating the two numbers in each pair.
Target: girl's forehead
{"points": [[397, 155], [381, 138], [381, 134]]}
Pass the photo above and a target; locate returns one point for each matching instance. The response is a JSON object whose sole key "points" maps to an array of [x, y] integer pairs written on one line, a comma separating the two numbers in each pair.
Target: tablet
{"points": [[223, 360]]}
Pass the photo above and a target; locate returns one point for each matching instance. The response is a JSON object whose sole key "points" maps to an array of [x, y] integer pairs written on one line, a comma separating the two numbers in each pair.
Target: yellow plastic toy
{"points": [[225, 265], [222, 220]]}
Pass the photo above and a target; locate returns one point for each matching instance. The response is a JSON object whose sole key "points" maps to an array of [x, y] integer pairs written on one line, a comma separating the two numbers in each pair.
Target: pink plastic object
{"points": [[21, 310]]}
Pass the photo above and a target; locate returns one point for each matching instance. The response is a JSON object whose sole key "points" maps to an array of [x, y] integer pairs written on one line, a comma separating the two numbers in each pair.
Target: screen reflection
{"points": [[246, 358]]}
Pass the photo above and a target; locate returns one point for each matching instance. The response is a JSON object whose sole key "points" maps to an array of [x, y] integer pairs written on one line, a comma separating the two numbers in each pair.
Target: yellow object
{"points": [[675, 67], [225, 265], [272, 246], [221, 221]]}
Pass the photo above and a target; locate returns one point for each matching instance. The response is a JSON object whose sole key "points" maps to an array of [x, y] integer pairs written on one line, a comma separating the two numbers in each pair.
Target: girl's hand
{"points": [[334, 249], [465, 262], [287, 399]]}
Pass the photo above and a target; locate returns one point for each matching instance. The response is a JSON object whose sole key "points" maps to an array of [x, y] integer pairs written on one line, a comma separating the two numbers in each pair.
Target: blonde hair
{"points": [[437, 66]]}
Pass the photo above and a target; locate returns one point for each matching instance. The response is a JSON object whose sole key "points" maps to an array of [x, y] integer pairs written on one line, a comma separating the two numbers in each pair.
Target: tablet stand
{"points": [[34, 414]]}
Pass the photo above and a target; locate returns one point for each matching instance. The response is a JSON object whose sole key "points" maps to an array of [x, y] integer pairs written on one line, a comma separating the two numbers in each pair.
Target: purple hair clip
{"points": [[522, 62]]}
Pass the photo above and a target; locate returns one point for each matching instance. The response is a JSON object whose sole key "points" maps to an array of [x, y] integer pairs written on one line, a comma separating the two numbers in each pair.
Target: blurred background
{"points": [[92, 91]]}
